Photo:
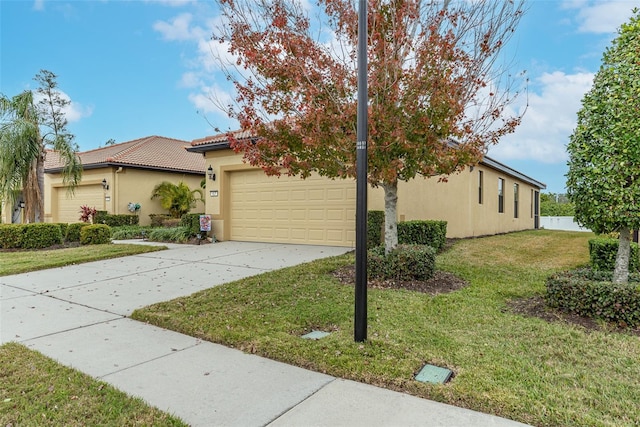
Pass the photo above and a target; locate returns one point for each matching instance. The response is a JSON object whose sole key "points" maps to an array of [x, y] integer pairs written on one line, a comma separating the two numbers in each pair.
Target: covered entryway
{"points": [[67, 206], [316, 210]]}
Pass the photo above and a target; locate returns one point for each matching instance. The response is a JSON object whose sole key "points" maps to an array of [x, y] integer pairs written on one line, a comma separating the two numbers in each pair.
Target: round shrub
{"points": [[405, 262], [592, 294], [96, 234], [73, 231], [603, 252]]}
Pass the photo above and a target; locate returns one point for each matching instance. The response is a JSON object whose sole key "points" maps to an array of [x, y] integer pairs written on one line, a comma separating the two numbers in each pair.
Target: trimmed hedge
{"points": [[63, 228], [591, 293], [405, 262], [11, 235], [41, 235], [603, 252], [429, 232], [30, 236], [192, 222], [99, 216], [157, 219], [375, 226], [73, 231], [96, 234], [116, 220]]}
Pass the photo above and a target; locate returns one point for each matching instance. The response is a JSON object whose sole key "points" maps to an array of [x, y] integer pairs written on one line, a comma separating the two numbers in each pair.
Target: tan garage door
{"points": [[314, 211], [68, 207]]}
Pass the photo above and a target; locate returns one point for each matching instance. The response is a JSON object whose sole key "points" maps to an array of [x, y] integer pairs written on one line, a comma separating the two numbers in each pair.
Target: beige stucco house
{"points": [[248, 205], [119, 174]]}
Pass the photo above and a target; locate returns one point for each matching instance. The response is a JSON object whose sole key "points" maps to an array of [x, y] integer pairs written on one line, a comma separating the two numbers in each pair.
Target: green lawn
{"points": [[522, 368], [24, 261]]}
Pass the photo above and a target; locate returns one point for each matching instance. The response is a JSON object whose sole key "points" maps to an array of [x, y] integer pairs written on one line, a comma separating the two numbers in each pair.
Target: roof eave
{"points": [[488, 161], [213, 146], [128, 165]]}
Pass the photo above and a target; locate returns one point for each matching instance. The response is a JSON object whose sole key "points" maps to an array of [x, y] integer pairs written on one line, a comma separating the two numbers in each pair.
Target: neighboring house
{"points": [[248, 205], [119, 174]]}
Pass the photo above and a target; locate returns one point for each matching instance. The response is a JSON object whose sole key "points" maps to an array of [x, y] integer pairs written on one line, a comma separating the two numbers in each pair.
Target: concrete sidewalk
{"points": [[77, 315]]}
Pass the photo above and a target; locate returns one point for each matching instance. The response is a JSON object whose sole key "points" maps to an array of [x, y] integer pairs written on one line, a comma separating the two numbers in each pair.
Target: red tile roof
{"points": [[221, 137], [152, 152]]}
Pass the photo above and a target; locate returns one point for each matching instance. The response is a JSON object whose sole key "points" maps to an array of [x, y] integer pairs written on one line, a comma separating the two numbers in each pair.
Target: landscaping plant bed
{"points": [[442, 282]]}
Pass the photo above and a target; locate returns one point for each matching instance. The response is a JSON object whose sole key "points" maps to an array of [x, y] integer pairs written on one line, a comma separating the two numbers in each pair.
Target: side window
{"points": [[500, 195], [480, 185], [516, 191]]}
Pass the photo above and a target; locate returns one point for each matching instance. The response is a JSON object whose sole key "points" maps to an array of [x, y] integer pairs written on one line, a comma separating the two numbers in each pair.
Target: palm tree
{"points": [[26, 131], [177, 199]]}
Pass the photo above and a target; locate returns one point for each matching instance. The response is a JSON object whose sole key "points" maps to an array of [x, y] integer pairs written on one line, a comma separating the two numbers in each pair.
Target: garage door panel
{"points": [[68, 206], [291, 210]]}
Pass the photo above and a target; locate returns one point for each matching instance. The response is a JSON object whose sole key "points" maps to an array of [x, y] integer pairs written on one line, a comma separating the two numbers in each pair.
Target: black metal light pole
{"points": [[360, 323]]}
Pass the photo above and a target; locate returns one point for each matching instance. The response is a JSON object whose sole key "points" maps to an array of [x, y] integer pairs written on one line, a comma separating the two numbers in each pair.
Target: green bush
{"points": [[591, 293], [603, 252], [11, 236], [96, 234], [157, 219], [41, 235], [405, 262], [192, 221], [63, 228], [116, 220], [129, 232], [73, 231], [418, 232], [375, 226], [174, 235], [99, 216]]}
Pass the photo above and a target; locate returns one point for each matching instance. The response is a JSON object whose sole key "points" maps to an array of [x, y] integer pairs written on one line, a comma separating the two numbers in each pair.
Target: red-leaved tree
{"points": [[432, 78]]}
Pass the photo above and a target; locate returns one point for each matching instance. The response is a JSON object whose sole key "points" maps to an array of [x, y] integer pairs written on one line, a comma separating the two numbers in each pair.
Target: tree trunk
{"points": [[390, 216], [30, 196], [40, 197], [621, 271]]}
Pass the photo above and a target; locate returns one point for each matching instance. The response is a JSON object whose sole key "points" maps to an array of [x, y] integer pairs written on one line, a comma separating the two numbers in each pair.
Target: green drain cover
{"points": [[434, 374], [315, 335]]}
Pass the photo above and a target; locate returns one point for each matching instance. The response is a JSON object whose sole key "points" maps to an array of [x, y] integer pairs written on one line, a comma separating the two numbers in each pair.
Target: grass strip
{"points": [[522, 368], [24, 261], [35, 390]]}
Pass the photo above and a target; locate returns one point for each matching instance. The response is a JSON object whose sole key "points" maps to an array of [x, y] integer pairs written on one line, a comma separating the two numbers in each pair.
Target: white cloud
{"points": [[190, 79], [600, 17], [211, 99], [38, 5], [179, 28], [549, 121], [74, 111]]}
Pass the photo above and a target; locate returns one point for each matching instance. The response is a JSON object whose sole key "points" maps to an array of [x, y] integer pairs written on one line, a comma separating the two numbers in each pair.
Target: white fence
{"points": [[560, 223]]}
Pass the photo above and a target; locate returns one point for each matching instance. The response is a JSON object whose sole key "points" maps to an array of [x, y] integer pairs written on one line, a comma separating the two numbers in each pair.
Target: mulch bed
{"points": [[536, 307], [443, 282]]}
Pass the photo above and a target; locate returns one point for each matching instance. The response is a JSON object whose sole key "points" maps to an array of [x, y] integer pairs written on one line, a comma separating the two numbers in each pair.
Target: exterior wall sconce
{"points": [[104, 184], [210, 173]]}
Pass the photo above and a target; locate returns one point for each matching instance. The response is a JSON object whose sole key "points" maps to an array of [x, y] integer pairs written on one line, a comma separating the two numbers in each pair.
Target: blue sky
{"points": [[138, 68]]}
